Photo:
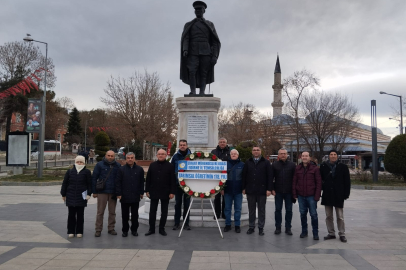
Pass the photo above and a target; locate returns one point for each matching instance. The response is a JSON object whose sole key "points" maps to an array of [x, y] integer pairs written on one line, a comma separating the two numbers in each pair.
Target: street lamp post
{"points": [[85, 132], [401, 111], [28, 38]]}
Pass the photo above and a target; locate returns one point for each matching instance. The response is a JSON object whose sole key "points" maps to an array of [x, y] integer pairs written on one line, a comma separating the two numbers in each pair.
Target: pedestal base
{"points": [[204, 106], [195, 219]]}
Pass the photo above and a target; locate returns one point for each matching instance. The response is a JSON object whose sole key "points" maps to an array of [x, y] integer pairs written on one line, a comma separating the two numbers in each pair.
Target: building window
{"points": [[59, 136]]}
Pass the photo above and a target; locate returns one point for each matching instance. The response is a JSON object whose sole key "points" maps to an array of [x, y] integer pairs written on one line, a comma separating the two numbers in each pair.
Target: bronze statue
{"points": [[200, 49]]}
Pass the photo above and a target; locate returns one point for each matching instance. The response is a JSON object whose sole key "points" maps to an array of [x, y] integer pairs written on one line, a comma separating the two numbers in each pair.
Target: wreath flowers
{"points": [[218, 188]]}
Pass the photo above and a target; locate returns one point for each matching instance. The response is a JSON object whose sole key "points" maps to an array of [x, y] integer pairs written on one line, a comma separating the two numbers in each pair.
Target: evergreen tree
{"points": [[395, 156], [102, 141], [74, 127]]}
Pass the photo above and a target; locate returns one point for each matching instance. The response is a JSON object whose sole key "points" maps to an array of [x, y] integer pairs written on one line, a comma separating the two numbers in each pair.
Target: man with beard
{"points": [[180, 194]]}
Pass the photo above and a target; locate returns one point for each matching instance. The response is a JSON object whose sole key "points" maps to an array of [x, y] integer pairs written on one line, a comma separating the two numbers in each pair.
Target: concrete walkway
{"points": [[33, 236]]}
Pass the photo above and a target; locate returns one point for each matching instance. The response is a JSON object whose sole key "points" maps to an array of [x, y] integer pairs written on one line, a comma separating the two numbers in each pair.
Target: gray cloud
{"points": [[338, 40]]}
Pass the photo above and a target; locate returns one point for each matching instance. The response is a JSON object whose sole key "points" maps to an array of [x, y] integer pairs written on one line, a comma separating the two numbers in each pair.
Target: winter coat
{"points": [[161, 180], [101, 170], [175, 160], [307, 181], [130, 183], [283, 172], [74, 184], [336, 188], [234, 177], [257, 179], [223, 154]]}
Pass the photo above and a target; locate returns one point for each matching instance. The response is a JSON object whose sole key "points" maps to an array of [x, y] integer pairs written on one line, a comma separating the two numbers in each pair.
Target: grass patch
{"points": [[32, 178], [384, 179], [399, 183]]}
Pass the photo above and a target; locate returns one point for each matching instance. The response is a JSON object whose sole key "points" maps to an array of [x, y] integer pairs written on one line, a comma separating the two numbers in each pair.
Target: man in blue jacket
{"points": [[180, 194], [233, 191], [130, 190], [106, 171]]}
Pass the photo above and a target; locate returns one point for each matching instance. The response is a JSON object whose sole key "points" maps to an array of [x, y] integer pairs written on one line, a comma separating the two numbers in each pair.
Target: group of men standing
{"points": [[256, 178]]}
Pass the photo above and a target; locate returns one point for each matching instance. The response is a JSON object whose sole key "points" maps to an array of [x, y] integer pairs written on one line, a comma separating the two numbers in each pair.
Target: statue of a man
{"points": [[200, 48]]}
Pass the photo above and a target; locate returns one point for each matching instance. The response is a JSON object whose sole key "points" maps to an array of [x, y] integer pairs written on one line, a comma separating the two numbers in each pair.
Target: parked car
{"points": [[121, 153]]}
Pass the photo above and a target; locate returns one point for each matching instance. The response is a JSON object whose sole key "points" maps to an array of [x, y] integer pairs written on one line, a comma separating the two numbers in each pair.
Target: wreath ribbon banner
{"points": [[208, 168]]}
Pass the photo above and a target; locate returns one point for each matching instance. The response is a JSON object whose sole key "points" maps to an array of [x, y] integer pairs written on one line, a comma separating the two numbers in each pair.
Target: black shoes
{"points": [[187, 228], [343, 239], [261, 232], [250, 230], [227, 228], [237, 229], [112, 232], [97, 234], [315, 237], [278, 231], [162, 232], [134, 233], [329, 237], [303, 235], [124, 234], [288, 232], [176, 227], [149, 233]]}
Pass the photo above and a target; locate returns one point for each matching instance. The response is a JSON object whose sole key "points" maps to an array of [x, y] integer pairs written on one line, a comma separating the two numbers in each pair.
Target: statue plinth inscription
{"points": [[198, 129]]}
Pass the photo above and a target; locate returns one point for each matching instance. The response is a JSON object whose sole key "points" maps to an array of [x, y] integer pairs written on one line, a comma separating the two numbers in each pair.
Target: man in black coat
{"points": [[336, 189], [257, 183], [161, 185], [222, 151], [283, 172], [130, 190]]}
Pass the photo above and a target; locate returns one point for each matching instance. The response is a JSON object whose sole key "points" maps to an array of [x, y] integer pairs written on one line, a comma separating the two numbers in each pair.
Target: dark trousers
{"points": [[279, 198], [253, 202], [219, 205], [308, 204], [152, 213], [198, 65], [179, 197], [76, 219], [125, 214]]}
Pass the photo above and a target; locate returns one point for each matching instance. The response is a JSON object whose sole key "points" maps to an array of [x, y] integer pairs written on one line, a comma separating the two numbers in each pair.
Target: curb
{"points": [[10, 183], [378, 187]]}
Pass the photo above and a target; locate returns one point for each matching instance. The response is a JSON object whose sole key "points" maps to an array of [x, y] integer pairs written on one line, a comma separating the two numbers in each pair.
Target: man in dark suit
{"points": [[257, 183], [161, 185], [130, 190]]}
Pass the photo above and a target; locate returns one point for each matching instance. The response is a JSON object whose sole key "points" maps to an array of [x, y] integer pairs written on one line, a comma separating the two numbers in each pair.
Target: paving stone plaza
{"points": [[33, 236]]}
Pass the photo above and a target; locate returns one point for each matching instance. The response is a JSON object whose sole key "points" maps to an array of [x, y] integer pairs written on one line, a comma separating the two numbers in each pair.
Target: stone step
{"points": [[195, 221]]}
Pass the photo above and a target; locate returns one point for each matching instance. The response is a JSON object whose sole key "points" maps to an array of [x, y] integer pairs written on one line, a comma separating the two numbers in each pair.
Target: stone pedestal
{"points": [[207, 108]]}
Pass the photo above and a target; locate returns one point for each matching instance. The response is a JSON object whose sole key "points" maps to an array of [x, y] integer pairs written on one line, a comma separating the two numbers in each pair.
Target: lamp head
{"points": [[28, 38], [382, 92]]}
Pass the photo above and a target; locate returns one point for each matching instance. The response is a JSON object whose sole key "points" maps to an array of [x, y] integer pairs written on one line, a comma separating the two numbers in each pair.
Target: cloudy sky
{"points": [[354, 47]]}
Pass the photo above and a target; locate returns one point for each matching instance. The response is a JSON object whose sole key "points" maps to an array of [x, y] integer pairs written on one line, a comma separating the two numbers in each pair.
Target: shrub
{"points": [[102, 142], [395, 156]]}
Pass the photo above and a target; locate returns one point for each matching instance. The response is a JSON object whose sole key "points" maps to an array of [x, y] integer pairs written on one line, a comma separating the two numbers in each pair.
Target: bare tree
{"points": [[329, 119], [238, 123], [144, 105], [270, 131], [294, 87], [66, 103], [27, 57]]}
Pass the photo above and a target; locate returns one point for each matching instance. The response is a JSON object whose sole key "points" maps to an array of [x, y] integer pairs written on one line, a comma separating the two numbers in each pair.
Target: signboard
{"points": [[168, 150], [18, 149], [203, 176], [202, 165], [198, 129], [33, 115]]}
